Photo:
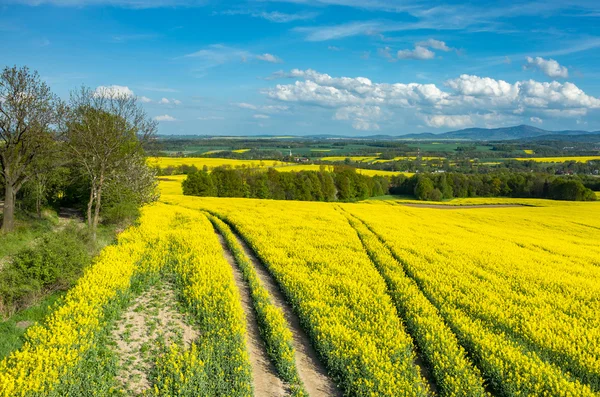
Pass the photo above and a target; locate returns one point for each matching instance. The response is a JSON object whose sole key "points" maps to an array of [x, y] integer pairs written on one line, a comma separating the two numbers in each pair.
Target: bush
{"points": [[121, 212], [55, 262]]}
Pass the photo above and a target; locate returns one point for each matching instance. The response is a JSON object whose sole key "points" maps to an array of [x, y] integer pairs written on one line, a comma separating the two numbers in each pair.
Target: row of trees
{"points": [[89, 150], [343, 184], [440, 186]]}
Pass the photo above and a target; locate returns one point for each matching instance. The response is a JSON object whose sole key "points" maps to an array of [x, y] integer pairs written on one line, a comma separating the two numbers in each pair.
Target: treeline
{"points": [[342, 184], [438, 186], [86, 153]]}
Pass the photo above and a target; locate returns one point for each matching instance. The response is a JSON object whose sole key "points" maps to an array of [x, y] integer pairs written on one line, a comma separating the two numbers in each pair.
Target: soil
{"points": [[153, 317], [265, 379], [24, 324], [310, 369]]}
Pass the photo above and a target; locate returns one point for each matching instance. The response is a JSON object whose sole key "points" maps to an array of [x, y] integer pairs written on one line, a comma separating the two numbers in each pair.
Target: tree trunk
{"points": [[97, 208], [8, 223], [90, 205]]}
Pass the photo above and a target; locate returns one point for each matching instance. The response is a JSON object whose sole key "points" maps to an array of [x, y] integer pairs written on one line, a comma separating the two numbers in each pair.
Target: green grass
{"points": [[12, 336], [27, 229]]}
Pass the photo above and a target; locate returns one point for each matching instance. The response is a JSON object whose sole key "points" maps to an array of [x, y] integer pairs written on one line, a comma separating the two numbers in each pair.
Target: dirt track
{"points": [[264, 375], [310, 369]]}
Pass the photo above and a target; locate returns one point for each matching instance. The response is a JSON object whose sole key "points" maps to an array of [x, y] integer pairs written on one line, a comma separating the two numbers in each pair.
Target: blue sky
{"points": [[320, 66]]}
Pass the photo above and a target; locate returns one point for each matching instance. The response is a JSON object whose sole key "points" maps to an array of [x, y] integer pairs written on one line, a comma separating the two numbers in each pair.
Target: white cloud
{"points": [[280, 17], [113, 91], [482, 87], [465, 100], [269, 58], [549, 67], [536, 120], [419, 52], [362, 117], [435, 44], [176, 102], [165, 117], [451, 121], [144, 99], [164, 101], [245, 105], [261, 116], [263, 108], [334, 48], [272, 16]]}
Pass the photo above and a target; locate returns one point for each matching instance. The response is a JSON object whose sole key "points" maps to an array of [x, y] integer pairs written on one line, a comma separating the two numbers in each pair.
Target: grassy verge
{"points": [[12, 335], [27, 229]]}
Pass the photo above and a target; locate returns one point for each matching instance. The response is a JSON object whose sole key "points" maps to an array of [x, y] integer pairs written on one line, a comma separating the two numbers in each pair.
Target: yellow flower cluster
{"points": [[453, 372], [518, 286], [195, 256], [319, 262], [210, 162]]}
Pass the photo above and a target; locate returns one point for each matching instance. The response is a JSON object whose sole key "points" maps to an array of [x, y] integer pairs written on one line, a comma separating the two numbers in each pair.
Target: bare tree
{"points": [[29, 113], [106, 129]]}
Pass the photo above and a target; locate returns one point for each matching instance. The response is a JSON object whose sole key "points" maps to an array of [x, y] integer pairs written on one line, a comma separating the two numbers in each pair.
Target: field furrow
{"points": [[338, 295], [452, 371], [451, 283]]}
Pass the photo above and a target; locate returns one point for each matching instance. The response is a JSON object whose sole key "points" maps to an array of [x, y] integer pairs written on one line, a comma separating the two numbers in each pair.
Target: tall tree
{"points": [[29, 116], [107, 129]]}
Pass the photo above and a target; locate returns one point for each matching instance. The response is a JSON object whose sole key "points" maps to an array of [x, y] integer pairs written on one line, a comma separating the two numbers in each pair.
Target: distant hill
{"points": [[519, 132], [498, 134]]}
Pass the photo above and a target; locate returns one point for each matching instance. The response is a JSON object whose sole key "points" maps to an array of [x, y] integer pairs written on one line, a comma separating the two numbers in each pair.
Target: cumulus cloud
{"points": [[462, 101], [536, 120], [549, 67], [176, 102], [363, 118], [419, 52], [113, 91], [269, 58], [144, 99], [451, 121], [261, 116], [164, 101], [165, 117], [435, 44]]}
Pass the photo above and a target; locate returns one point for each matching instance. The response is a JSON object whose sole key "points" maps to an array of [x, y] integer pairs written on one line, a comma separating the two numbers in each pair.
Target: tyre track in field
{"points": [[264, 375], [421, 359], [311, 370]]}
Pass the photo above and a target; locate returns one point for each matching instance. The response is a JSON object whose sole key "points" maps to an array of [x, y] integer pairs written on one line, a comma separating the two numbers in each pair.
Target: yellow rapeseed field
{"points": [[210, 162], [503, 297], [500, 301], [579, 159], [317, 167]]}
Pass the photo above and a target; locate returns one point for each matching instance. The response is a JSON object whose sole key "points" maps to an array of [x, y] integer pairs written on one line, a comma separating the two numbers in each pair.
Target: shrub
{"points": [[121, 213], [55, 262]]}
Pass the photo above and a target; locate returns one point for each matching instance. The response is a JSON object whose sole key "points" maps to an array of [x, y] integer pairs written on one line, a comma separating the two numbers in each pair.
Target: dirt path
{"points": [[310, 369], [152, 317], [265, 379], [460, 207]]}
